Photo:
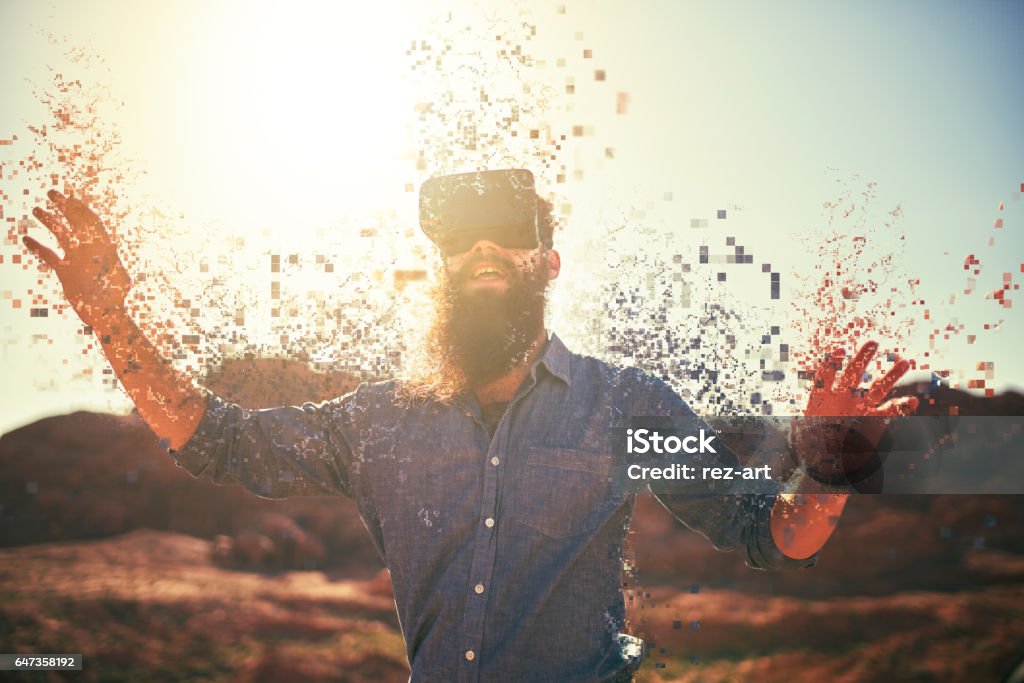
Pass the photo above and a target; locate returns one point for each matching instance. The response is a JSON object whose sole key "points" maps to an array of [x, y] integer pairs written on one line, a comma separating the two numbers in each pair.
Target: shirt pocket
{"points": [[564, 492]]}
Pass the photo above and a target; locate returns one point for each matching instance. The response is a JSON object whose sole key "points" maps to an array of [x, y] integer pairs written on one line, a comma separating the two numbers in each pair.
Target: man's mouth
{"points": [[485, 272]]}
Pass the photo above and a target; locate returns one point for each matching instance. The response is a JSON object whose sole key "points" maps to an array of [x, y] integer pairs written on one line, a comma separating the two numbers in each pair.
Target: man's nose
{"points": [[484, 245]]}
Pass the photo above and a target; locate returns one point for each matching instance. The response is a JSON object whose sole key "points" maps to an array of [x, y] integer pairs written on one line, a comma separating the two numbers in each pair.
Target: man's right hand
{"points": [[94, 280]]}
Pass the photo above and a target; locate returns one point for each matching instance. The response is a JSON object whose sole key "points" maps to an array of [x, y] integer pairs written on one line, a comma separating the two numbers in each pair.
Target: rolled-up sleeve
{"points": [[731, 521], [735, 521], [275, 452]]}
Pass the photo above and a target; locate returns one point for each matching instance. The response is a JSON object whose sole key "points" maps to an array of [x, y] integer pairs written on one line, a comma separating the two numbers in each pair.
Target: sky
{"points": [[254, 128]]}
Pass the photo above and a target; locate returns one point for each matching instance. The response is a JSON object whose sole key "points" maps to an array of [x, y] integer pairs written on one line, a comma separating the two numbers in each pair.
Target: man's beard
{"points": [[478, 336]]}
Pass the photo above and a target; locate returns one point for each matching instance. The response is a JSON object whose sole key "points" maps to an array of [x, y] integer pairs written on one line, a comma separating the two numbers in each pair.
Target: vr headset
{"points": [[456, 211]]}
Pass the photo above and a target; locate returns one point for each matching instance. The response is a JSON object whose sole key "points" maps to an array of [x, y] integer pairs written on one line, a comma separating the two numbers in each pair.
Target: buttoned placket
{"points": [[485, 548]]}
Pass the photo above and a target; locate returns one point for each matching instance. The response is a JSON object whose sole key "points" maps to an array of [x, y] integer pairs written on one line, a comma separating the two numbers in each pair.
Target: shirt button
{"points": [[479, 588], [495, 461], [489, 522], [470, 655]]}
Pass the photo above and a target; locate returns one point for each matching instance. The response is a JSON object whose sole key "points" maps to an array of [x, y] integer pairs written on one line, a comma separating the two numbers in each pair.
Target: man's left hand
{"points": [[836, 402]]}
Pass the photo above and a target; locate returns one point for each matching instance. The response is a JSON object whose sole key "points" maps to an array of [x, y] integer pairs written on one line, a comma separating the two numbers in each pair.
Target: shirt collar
{"points": [[556, 359]]}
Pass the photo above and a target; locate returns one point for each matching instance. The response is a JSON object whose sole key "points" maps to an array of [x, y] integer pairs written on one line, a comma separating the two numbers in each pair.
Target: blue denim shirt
{"points": [[505, 553]]}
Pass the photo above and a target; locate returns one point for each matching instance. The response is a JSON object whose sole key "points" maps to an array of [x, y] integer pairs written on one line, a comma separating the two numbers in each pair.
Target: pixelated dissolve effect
{"points": [[679, 295]]}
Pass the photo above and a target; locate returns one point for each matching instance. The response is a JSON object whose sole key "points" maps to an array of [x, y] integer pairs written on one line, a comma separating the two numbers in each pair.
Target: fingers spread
{"points": [[897, 406], [881, 388], [44, 254], [55, 226], [855, 370]]}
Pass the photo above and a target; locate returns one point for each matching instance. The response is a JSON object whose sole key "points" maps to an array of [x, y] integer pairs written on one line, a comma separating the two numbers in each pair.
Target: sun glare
{"points": [[300, 116]]}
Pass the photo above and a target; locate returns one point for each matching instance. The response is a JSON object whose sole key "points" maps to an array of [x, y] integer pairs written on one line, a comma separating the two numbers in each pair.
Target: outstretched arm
{"points": [[96, 283], [801, 523]]}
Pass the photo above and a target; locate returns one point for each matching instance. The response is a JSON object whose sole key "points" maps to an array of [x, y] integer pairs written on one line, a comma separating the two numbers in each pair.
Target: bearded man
{"points": [[486, 480]]}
